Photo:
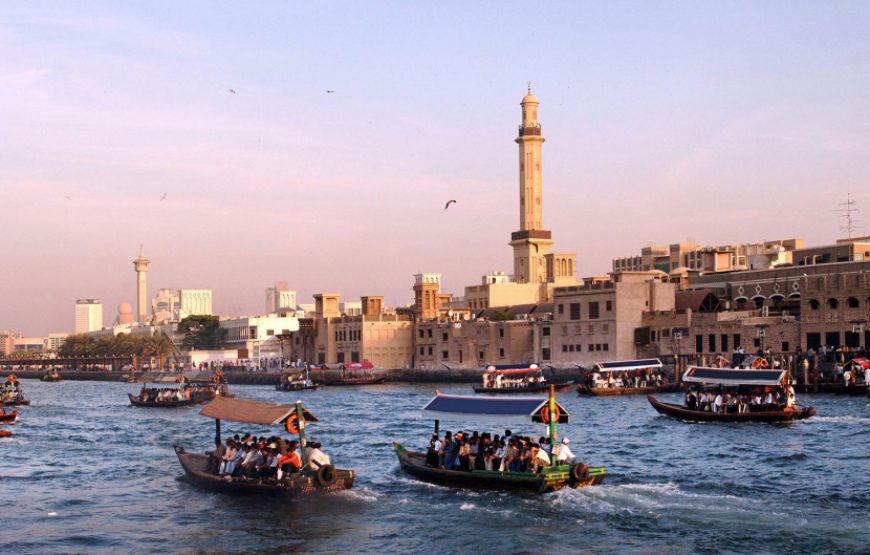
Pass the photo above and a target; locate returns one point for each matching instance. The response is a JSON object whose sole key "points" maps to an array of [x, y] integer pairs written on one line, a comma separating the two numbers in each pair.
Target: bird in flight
{"points": [[67, 197], [163, 197], [329, 92], [232, 91], [449, 202]]}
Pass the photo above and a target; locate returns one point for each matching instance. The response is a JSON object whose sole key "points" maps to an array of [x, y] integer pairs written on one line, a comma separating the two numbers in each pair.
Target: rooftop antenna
{"points": [[847, 212]]}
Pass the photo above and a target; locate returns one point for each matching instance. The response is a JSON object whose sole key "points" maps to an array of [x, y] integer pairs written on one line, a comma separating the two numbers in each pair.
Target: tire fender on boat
{"points": [[580, 472], [326, 475]]}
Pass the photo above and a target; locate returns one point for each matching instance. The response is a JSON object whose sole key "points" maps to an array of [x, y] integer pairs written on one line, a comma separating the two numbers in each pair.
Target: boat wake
{"points": [[839, 420]]}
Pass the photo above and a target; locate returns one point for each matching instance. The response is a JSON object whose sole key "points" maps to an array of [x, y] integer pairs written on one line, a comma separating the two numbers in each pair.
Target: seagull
{"points": [[232, 91], [163, 197], [329, 92], [67, 197], [449, 202]]}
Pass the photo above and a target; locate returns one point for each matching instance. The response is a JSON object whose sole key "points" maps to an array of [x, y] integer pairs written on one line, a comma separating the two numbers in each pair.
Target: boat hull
{"points": [[617, 391], [21, 403], [413, 463], [302, 483], [536, 388], [8, 418], [162, 405], [676, 411], [356, 381], [5, 433], [294, 388]]}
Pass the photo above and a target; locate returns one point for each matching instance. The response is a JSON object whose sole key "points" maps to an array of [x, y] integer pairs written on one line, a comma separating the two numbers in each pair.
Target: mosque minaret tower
{"points": [[532, 242], [141, 265]]}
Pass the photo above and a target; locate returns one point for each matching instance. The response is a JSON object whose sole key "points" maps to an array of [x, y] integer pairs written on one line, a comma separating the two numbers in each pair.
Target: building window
{"points": [[711, 342], [545, 331], [421, 334], [340, 357], [444, 336], [501, 332], [833, 304], [501, 353], [853, 302], [430, 350], [270, 332], [605, 328], [545, 353], [445, 355], [814, 304], [608, 306], [699, 343], [354, 356], [574, 311], [570, 348], [429, 332], [593, 311], [736, 340], [579, 347], [606, 346], [724, 342], [564, 348], [481, 355], [652, 334], [591, 347], [561, 309], [785, 346], [422, 351]]}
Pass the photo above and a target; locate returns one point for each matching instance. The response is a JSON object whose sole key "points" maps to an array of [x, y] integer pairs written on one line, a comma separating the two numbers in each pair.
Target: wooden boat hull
{"points": [[676, 411], [162, 405], [536, 388], [8, 418], [5, 433], [413, 463], [356, 381], [22, 403], [51, 378], [280, 387], [301, 483], [583, 389]]}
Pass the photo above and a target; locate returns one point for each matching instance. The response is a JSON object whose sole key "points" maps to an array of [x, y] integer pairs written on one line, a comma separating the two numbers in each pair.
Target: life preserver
{"points": [[580, 472], [762, 363], [326, 475], [11, 378], [216, 379], [545, 414], [180, 379], [292, 424], [218, 373]]}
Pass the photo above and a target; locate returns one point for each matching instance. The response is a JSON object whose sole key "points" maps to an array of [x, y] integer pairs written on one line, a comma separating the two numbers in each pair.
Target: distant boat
{"points": [[647, 371], [51, 376], [521, 378]]}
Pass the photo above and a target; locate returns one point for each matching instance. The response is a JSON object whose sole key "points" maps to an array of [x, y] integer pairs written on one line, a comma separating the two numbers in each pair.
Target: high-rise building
{"points": [[7, 342], [280, 297], [141, 265], [165, 306], [194, 302], [89, 315]]}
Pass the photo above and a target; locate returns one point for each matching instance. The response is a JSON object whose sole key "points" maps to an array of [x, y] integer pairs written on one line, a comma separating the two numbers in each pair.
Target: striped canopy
{"points": [[623, 365], [734, 376], [499, 410]]}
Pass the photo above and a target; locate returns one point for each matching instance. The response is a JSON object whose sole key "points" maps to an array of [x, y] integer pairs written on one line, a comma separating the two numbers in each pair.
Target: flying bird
{"points": [[232, 91], [449, 202], [329, 92], [67, 197], [163, 197]]}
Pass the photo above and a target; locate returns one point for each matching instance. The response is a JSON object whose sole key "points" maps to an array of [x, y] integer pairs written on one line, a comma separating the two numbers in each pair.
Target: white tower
{"points": [[141, 266]]}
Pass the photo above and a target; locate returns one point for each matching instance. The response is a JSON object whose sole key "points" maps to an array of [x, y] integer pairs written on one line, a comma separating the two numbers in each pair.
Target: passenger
{"points": [[445, 446], [269, 468], [497, 456], [464, 456], [452, 452], [316, 457], [432, 452], [510, 460], [563, 453], [290, 461], [216, 456], [716, 406], [227, 462], [539, 460]]}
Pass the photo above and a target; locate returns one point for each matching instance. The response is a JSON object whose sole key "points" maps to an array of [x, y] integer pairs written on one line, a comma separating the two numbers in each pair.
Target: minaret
{"points": [[141, 265], [531, 242]]}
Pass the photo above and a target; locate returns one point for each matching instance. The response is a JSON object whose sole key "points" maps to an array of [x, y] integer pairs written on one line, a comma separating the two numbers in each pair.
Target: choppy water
{"points": [[87, 473]]}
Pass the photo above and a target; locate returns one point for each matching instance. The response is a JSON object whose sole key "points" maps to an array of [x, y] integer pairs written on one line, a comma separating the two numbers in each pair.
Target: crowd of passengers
{"points": [[11, 393], [628, 378], [741, 400], [266, 460], [500, 381], [507, 453], [163, 395]]}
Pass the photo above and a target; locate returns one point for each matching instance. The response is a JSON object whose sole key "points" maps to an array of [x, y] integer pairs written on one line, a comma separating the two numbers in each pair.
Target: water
{"points": [[87, 473]]}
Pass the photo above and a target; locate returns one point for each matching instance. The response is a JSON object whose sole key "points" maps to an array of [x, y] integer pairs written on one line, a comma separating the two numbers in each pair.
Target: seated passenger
{"points": [[289, 462], [539, 459], [316, 457], [432, 451], [227, 461]]}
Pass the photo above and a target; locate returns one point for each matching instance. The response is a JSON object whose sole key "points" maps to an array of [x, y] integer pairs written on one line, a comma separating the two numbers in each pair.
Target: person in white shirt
{"points": [[867, 376], [540, 459], [847, 376], [717, 403], [789, 396], [316, 457], [563, 453]]}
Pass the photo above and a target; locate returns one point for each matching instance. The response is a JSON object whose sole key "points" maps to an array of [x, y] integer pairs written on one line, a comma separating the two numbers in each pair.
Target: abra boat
{"points": [[295, 418], [295, 382], [11, 393], [523, 410], [51, 376], [598, 381], [354, 373], [5, 433], [156, 397], [744, 381], [517, 378]]}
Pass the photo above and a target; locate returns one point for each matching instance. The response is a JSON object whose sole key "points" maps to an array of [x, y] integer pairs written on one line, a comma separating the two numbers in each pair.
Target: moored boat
{"points": [[137, 401], [523, 410], [51, 376], [628, 377], [520, 378], [199, 468], [354, 373], [11, 393], [290, 381], [743, 384]]}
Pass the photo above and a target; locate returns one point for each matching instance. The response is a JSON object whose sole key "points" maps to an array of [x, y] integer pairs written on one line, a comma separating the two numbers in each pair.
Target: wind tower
{"points": [[141, 265], [532, 242]]}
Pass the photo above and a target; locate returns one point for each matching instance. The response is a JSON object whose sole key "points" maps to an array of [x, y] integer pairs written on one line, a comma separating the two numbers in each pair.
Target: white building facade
{"points": [[194, 302], [89, 315]]}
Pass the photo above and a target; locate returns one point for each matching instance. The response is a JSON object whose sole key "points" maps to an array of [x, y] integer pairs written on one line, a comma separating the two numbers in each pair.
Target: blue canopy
{"points": [[501, 410], [734, 376], [623, 365]]}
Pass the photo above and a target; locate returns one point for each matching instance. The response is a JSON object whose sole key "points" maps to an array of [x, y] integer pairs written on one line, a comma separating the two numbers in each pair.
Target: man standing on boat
{"points": [[562, 452]]}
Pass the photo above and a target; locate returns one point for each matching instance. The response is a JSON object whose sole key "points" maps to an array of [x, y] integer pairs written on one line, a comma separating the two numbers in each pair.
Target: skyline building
{"points": [[89, 315], [280, 297], [194, 302], [141, 266]]}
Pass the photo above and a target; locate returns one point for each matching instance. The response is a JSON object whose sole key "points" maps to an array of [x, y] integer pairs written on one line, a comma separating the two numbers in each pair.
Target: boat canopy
{"points": [[520, 410], [734, 376], [624, 365], [251, 412], [861, 363], [512, 370]]}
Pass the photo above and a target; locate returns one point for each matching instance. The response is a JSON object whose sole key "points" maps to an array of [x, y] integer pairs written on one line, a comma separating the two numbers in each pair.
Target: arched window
{"points": [[853, 302], [833, 304], [759, 301], [814, 304]]}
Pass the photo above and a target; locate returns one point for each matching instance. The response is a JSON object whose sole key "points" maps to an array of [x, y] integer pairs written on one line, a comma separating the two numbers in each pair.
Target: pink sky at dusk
{"points": [[724, 124]]}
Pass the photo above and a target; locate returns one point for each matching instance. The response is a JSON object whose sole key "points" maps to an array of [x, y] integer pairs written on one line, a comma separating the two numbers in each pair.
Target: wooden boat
{"points": [[295, 382], [196, 467], [540, 410], [8, 417], [677, 411], [516, 378], [12, 385], [169, 404], [741, 379], [5, 433], [628, 369], [51, 376], [18, 403]]}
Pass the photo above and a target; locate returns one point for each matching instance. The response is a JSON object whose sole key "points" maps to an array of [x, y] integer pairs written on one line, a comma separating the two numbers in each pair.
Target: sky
{"points": [[664, 121]]}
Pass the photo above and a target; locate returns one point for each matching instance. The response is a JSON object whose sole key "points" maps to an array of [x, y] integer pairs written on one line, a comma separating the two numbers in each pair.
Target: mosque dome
{"points": [[125, 308], [530, 98]]}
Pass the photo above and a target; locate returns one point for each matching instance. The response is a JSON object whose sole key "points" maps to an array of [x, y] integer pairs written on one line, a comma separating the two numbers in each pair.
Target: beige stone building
{"points": [[329, 337], [723, 258]]}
